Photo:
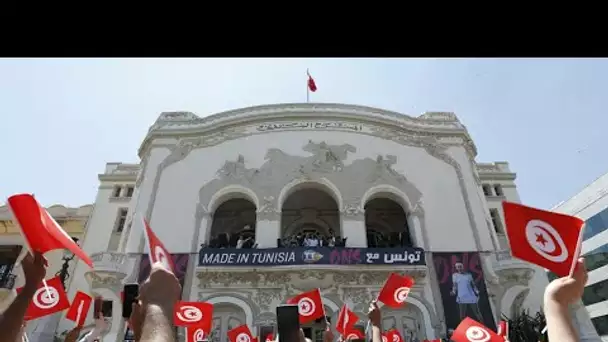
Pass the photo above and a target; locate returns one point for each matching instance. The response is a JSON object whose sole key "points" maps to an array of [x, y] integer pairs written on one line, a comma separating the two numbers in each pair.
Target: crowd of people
{"points": [[152, 316], [307, 238]]}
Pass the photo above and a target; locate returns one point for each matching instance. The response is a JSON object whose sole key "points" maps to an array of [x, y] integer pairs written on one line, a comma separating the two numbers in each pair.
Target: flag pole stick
{"points": [[307, 87]]}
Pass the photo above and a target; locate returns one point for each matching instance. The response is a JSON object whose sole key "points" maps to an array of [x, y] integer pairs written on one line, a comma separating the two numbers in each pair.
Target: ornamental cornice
{"points": [[187, 124]]}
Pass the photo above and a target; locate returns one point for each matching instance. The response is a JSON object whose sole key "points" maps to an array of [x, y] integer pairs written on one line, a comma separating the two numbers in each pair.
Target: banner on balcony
{"points": [[307, 256]]}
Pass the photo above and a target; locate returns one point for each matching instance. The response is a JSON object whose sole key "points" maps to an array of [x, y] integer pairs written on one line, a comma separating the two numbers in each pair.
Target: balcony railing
{"points": [[8, 281], [110, 262]]}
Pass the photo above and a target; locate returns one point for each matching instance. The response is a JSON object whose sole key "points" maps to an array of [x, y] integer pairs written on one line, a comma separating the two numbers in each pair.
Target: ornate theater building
{"points": [[259, 204]]}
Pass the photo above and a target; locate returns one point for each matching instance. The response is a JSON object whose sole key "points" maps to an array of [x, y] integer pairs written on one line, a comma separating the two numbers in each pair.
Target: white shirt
{"points": [[465, 293]]}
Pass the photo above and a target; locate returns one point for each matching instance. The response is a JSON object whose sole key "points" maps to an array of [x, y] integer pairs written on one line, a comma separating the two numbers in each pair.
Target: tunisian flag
{"points": [[80, 308], [471, 330], [544, 238], [310, 306], [346, 320], [395, 290], [47, 300], [195, 334], [392, 336], [312, 86], [40, 230], [193, 314], [240, 334], [158, 252]]}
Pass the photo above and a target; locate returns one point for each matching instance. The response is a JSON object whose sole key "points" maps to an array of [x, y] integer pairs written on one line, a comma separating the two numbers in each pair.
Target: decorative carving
{"points": [[265, 297], [353, 209], [384, 170], [360, 297], [267, 319], [268, 210]]}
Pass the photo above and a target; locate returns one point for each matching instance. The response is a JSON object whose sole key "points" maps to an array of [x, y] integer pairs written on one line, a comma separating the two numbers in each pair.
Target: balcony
{"points": [[111, 264]]}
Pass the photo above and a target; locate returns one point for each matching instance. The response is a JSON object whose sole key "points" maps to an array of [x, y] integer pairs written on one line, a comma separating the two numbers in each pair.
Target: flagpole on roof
{"points": [[307, 87]]}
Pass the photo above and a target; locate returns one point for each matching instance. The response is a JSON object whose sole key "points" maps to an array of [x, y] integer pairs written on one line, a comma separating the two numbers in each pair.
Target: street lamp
{"points": [[67, 257]]}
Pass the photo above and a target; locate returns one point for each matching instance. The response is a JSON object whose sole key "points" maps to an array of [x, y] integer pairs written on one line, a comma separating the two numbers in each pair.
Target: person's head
{"points": [[459, 267]]}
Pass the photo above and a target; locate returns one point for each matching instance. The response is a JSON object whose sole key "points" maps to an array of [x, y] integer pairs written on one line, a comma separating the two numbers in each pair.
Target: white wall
{"points": [[173, 214]]}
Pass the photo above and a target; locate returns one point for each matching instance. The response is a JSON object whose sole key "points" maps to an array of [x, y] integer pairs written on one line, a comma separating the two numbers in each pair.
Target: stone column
{"points": [[352, 218], [267, 227]]}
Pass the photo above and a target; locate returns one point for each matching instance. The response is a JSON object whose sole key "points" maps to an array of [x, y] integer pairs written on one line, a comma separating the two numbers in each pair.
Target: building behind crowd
{"points": [[327, 196], [591, 204]]}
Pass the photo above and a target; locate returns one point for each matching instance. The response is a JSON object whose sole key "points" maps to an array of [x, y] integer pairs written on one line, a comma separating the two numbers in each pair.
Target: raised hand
{"points": [[567, 290], [374, 314], [34, 270]]}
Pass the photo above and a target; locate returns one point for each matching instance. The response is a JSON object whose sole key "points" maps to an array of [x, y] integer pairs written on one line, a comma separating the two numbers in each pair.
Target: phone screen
{"points": [[288, 323], [131, 291]]}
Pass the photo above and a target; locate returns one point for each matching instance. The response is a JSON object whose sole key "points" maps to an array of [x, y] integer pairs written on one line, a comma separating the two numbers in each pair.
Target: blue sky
{"points": [[62, 120]]}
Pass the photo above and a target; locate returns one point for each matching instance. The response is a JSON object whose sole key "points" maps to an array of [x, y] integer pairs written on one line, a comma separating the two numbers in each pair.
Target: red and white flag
{"points": [[240, 334], [470, 330], [47, 300], [312, 86], [544, 238], [353, 334], [195, 334], [392, 336], [158, 252], [80, 308], [40, 230], [503, 329], [346, 320], [310, 306], [269, 337], [196, 314], [395, 290]]}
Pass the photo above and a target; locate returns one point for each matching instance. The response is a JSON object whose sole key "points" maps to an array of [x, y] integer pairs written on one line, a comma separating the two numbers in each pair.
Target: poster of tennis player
{"points": [[463, 289]]}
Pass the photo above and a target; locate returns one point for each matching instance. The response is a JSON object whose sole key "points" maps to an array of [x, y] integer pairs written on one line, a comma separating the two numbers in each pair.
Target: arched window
{"points": [[386, 224], [234, 220], [310, 217]]}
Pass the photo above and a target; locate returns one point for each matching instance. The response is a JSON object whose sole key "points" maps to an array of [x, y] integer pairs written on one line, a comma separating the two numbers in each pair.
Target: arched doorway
{"points": [[386, 224], [234, 220], [314, 330], [310, 217], [226, 317], [407, 320]]}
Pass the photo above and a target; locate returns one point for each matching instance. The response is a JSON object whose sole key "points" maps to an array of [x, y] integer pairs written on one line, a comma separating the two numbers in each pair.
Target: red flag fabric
{"points": [[47, 301], [240, 334], [269, 337], [503, 329], [312, 86], [353, 334], [544, 238], [41, 231], [346, 320], [392, 336], [395, 290], [194, 334], [158, 252], [80, 308], [470, 330], [198, 314], [310, 306]]}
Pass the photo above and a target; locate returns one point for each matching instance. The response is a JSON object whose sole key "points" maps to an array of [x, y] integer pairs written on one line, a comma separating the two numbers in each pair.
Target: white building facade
{"points": [[591, 205], [387, 193]]}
